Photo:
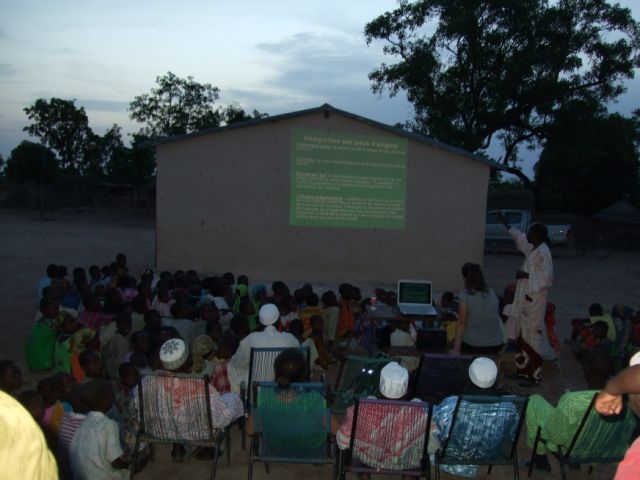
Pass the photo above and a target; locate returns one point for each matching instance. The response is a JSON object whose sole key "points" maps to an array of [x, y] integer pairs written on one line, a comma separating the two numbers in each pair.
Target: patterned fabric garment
{"points": [[220, 378], [128, 418], [94, 320], [442, 417], [172, 392], [365, 333], [372, 447], [530, 302]]}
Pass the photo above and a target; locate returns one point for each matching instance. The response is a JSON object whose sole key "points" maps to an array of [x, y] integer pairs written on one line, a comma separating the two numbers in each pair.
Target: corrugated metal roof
{"points": [[330, 109]]}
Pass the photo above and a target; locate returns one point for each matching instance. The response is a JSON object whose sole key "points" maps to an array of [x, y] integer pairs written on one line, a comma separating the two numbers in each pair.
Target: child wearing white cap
{"points": [[394, 382], [482, 373], [270, 337]]}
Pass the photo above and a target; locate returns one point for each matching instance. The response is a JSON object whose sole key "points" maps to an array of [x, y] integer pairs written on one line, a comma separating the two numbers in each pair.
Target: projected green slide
{"points": [[346, 180]]}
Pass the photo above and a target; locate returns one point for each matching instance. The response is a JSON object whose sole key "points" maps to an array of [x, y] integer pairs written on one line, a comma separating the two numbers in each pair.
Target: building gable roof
{"points": [[328, 109]]}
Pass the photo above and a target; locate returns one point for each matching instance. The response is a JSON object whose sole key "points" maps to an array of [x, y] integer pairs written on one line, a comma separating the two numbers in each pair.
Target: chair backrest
{"points": [[389, 436], [440, 376], [261, 363], [484, 430], [293, 424], [601, 439], [175, 407], [358, 376]]}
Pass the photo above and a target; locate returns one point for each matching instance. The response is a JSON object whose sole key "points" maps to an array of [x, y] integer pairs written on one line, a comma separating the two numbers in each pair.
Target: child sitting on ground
{"points": [[10, 377], [128, 378], [41, 342], [62, 351], [202, 353], [50, 396], [33, 403], [405, 335], [95, 451], [330, 316], [92, 316], [91, 365], [309, 311], [325, 359], [69, 424], [220, 376], [140, 349], [83, 339], [296, 328], [214, 331], [118, 345]]}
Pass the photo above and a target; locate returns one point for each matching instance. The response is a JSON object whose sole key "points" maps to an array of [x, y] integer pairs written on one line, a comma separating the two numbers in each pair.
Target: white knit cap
{"points": [[394, 381], [173, 353], [269, 314], [634, 360], [483, 372]]}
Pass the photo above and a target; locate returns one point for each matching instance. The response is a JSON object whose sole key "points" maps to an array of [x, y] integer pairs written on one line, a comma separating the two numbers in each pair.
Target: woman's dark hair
{"points": [[290, 367], [473, 278]]}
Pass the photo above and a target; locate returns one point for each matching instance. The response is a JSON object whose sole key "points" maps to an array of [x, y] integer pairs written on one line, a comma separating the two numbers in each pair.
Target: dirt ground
{"points": [[28, 244]]}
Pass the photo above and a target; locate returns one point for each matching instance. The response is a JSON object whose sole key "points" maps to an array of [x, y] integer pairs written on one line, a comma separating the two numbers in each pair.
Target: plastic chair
{"points": [[261, 362], [290, 425], [189, 422], [484, 430], [440, 376], [387, 437], [357, 377], [598, 439]]}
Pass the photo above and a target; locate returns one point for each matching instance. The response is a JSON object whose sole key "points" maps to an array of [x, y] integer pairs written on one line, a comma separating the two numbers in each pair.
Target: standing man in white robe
{"points": [[533, 282]]}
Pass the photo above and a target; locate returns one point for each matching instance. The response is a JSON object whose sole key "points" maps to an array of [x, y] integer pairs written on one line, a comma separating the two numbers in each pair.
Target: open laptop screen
{"points": [[418, 293]]}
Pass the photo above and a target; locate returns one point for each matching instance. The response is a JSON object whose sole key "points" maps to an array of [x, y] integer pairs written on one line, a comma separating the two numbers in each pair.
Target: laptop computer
{"points": [[414, 297]]}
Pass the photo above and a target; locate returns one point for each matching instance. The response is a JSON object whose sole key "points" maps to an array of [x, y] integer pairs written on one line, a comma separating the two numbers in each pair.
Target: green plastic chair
{"points": [[358, 377], [598, 439], [291, 425]]}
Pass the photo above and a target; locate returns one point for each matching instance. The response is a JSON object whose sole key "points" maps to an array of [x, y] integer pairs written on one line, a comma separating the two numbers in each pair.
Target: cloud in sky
{"points": [[275, 57]]}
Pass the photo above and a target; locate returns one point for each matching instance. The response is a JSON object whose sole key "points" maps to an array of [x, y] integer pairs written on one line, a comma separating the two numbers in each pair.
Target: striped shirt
{"points": [[68, 427]]}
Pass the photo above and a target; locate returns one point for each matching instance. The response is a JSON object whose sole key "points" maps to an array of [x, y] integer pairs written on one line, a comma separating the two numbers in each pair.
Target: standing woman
{"points": [[479, 328], [533, 282]]}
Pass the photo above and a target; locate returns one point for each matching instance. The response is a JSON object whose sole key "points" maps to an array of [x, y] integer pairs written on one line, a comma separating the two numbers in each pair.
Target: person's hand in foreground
{"points": [[607, 404]]}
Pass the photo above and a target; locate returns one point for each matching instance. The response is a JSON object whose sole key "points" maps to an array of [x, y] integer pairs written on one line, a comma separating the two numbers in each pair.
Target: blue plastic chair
{"points": [[484, 430]]}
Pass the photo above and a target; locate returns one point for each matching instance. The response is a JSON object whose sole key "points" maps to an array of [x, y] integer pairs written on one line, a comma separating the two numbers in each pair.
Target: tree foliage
{"points": [[64, 128], [479, 70], [589, 161], [32, 162], [234, 113], [177, 106]]}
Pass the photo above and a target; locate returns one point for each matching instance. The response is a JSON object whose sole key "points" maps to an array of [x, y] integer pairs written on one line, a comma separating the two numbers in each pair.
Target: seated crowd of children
{"points": [[99, 334], [110, 327]]}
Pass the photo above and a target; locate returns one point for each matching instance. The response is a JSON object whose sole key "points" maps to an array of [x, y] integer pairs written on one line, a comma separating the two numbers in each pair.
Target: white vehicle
{"points": [[496, 234]]}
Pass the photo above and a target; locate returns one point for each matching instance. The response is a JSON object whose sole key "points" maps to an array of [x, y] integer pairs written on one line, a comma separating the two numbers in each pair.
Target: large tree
{"points": [[64, 128], [590, 160], [479, 70], [35, 165], [177, 106]]}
